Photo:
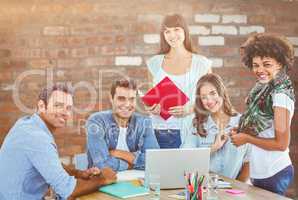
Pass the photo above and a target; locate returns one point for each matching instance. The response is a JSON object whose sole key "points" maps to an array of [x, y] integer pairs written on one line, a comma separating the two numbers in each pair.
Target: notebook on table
{"points": [[124, 190]]}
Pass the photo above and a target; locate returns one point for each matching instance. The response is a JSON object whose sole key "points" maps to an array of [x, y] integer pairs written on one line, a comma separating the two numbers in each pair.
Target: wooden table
{"points": [[251, 193]]}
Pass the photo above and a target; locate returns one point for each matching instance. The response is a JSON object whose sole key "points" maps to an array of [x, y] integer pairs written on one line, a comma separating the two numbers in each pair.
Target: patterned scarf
{"points": [[259, 113]]}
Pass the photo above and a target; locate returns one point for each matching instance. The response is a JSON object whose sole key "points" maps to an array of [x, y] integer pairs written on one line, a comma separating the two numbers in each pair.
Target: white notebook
{"points": [[129, 175]]}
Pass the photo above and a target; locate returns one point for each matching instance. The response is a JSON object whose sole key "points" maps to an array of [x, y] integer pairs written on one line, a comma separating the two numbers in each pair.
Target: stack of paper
{"points": [[223, 184]]}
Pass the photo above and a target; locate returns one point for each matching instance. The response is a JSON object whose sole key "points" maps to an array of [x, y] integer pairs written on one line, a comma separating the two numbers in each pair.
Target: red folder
{"points": [[167, 94]]}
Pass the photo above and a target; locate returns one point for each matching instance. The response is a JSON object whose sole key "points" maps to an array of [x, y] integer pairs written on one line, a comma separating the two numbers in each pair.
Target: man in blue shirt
{"points": [[118, 138], [29, 161]]}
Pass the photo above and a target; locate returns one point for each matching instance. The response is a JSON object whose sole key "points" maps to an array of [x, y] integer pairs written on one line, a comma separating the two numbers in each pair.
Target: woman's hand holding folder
{"points": [[154, 109], [180, 111]]}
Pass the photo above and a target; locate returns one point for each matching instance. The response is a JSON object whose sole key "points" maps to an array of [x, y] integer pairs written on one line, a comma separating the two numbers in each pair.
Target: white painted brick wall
{"points": [[207, 18], [55, 30], [217, 62], [92, 61], [293, 40], [239, 19], [151, 38], [243, 30], [227, 30], [199, 30], [150, 18], [211, 41], [128, 60], [60, 73], [7, 87]]}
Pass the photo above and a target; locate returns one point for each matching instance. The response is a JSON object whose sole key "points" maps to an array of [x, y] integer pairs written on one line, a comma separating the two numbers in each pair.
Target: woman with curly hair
{"points": [[270, 107]]}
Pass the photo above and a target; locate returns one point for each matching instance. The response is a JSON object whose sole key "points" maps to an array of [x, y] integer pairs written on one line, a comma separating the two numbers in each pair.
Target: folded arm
{"points": [[147, 141], [98, 148], [124, 155]]}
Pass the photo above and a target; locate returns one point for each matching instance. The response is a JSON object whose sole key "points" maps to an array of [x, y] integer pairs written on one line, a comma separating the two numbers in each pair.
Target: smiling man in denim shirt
{"points": [[118, 138], [29, 160]]}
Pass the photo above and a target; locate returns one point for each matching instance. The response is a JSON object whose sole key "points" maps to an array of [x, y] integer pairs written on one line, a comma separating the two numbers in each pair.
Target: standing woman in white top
{"points": [[178, 61], [270, 106]]}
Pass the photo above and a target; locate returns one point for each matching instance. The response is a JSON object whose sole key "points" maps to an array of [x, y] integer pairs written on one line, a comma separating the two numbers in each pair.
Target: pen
{"points": [[202, 179]]}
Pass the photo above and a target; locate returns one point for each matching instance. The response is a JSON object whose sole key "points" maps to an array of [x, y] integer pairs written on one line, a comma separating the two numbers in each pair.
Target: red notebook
{"points": [[167, 94]]}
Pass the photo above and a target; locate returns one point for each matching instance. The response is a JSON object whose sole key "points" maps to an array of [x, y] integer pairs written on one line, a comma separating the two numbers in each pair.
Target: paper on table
{"points": [[129, 175], [180, 195], [223, 184], [234, 191]]}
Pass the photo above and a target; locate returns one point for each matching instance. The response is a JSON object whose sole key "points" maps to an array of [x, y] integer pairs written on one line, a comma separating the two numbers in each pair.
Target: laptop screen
{"points": [[170, 165]]}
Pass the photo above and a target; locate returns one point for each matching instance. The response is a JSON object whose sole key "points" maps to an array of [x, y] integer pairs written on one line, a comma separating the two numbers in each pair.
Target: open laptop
{"points": [[170, 165]]}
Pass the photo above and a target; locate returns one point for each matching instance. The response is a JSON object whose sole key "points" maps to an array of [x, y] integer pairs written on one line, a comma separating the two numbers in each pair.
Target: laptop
{"points": [[170, 165]]}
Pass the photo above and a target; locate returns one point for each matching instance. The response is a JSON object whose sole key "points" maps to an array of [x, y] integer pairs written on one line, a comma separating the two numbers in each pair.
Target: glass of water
{"points": [[153, 186], [212, 185]]}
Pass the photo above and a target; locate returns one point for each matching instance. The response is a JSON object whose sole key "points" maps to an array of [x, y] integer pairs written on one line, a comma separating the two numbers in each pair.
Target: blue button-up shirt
{"points": [[228, 160], [29, 163], [102, 136]]}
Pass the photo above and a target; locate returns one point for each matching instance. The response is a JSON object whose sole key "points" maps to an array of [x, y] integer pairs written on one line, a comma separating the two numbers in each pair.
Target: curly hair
{"points": [[201, 113], [267, 45]]}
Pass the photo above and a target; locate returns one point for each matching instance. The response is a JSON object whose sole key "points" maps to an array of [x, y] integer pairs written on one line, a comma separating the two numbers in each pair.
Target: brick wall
{"points": [[91, 42]]}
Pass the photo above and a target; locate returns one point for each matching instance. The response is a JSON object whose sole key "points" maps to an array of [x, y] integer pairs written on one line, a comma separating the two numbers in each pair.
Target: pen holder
{"points": [[194, 186], [199, 195]]}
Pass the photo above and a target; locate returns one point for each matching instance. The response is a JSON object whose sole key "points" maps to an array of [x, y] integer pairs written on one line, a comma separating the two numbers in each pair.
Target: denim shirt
{"points": [[29, 163], [102, 136], [228, 160]]}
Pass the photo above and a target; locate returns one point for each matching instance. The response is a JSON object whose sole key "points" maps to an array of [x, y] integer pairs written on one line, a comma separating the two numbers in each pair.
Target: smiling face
{"points": [[265, 68], [210, 98], [58, 110], [174, 36], [124, 102]]}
